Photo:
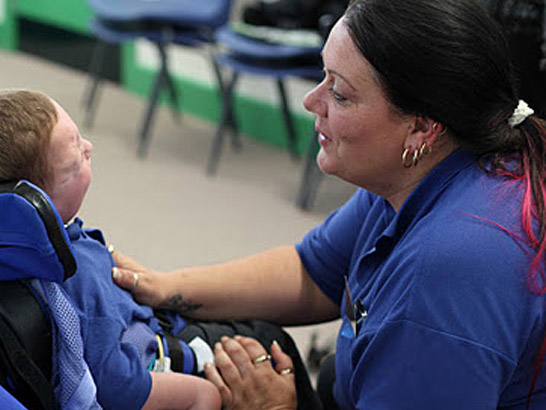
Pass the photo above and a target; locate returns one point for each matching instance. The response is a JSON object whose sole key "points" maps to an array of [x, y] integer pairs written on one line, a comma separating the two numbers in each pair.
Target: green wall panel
{"points": [[8, 26], [67, 14]]}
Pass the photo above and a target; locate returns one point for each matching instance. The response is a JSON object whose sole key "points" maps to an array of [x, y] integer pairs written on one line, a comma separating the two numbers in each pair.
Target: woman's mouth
{"points": [[323, 139]]}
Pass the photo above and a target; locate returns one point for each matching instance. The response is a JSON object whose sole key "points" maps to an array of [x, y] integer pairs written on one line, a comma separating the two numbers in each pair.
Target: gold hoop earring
{"points": [[405, 159], [415, 159], [423, 150], [434, 129]]}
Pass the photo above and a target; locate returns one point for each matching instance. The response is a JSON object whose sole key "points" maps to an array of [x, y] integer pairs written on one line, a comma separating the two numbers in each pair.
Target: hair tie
{"points": [[521, 112]]}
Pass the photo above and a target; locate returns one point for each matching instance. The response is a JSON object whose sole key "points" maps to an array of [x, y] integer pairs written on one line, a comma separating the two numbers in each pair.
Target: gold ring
{"points": [[261, 359], [136, 278], [288, 370]]}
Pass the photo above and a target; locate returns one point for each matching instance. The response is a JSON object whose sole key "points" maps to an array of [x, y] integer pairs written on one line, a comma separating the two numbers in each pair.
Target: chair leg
{"points": [[231, 123], [89, 101], [175, 97], [160, 80], [292, 139], [216, 148], [311, 176]]}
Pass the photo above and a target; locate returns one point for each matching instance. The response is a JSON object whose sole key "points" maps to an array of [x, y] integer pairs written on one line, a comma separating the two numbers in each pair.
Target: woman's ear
{"points": [[423, 131]]}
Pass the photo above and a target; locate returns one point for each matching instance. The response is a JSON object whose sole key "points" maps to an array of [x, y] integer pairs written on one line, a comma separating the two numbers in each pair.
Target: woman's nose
{"points": [[313, 101]]}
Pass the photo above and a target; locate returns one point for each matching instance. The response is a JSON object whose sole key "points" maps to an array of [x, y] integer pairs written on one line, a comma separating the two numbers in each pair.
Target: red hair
{"points": [[532, 172]]}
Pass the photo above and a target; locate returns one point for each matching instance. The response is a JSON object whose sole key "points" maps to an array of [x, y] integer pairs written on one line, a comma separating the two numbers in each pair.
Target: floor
{"points": [[163, 210]]}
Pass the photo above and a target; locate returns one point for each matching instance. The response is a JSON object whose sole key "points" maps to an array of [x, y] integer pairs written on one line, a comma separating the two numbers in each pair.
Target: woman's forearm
{"points": [[271, 285]]}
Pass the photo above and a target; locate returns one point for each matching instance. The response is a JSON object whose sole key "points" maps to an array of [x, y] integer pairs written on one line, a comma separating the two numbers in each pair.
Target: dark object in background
{"points": [[65, 47], [316, 353], [317, 15], [523, 23]]}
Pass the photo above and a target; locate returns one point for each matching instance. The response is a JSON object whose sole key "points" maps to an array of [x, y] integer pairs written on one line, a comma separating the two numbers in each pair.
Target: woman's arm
{"points": [[182, 391], [271, 285]]}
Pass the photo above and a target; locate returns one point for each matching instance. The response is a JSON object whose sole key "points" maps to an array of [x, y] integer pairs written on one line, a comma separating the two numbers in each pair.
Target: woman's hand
{"points": [[247, 380], [143, 283]]}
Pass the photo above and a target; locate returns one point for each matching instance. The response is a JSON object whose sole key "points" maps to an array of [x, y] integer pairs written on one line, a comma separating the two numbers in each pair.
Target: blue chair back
{"points": [[187, 13]]}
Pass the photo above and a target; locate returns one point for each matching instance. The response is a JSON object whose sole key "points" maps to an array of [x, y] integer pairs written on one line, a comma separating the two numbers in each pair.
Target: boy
{"points": [[39, 142]]}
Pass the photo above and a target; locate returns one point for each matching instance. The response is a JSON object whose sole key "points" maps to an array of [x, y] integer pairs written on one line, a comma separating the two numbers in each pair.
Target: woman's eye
{"points": [[338, 97]]}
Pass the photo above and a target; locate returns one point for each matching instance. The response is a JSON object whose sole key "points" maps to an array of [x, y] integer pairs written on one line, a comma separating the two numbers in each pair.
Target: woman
{"points": [[436, 264]]}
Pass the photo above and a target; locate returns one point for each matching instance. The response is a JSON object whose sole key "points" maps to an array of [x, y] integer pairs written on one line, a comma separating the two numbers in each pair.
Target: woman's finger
{"points": [[140, 283], [125, 262], [255, 351], [283, 362], [125, 278], [211, 373], [240, 357], [230, 372]]}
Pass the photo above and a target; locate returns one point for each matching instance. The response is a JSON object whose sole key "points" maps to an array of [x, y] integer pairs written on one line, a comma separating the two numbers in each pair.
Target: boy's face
{"points": [[69, 158]]}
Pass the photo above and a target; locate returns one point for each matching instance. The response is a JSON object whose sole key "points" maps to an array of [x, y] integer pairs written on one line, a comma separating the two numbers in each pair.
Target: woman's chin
{"points": [[324, 163]]}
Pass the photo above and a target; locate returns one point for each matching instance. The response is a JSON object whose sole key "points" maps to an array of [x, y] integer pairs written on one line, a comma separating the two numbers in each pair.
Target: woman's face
{"points": [[69, 156], [361, 137]]}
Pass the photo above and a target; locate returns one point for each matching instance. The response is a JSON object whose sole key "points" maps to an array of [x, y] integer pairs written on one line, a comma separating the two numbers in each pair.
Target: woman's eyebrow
{"points": [[338, 74]]}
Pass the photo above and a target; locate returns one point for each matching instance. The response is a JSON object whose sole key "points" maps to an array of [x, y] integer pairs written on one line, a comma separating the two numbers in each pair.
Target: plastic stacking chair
{"points": [[183, 22], [242, 54]]}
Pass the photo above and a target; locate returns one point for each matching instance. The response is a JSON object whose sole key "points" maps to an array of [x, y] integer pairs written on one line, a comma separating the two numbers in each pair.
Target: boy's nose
{"points": [[88, 148]]}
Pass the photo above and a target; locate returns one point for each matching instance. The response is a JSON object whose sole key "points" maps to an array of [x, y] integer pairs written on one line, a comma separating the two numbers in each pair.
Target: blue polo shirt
{"points": [[447, 320], [118, 334]]}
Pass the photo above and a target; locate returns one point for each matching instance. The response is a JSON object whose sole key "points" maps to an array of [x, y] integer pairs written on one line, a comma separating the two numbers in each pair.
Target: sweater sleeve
{"points": [[327, 249]]}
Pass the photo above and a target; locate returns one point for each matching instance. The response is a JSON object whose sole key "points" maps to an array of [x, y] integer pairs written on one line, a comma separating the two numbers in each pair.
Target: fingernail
{"points": [[274, 342], [217, 346], [224, 338], [111, 248], [208, 365], [237, 337], [115, 273]]}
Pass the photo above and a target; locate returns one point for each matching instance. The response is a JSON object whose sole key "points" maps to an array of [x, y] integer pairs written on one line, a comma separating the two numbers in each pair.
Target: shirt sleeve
{"points": [[327, 249]]}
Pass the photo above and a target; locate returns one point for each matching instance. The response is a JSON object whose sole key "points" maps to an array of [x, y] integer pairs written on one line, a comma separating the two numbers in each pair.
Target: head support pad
{"points": [[33, 241]]}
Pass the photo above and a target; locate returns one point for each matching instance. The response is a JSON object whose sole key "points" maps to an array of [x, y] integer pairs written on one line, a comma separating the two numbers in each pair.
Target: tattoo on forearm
{"points": [[178, 303]]}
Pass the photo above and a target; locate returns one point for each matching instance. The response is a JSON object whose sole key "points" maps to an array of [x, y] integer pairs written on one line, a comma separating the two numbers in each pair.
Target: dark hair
{"points": [[448, 60], [27, 119]]}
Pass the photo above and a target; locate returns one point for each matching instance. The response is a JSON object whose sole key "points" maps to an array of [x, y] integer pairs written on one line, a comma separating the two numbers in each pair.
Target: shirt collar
{"points": [[74, 230], [427, 192]]}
